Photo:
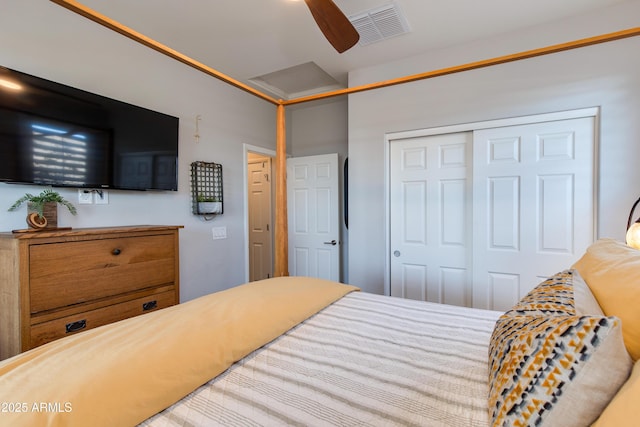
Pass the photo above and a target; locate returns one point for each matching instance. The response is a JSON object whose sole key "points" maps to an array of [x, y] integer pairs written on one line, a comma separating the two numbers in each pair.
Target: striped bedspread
{"points": [[366, 360]]}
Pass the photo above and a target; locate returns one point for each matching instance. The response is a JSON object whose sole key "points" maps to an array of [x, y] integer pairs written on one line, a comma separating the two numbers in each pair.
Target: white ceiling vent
{"points": [[379, 24]]}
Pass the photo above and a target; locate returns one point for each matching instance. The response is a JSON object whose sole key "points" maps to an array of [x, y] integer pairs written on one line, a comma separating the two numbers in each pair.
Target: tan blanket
{"points": [[122, 373]]}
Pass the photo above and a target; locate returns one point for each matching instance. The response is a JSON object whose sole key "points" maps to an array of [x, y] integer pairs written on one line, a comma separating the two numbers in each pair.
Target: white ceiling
{"points": [[246, 39]]}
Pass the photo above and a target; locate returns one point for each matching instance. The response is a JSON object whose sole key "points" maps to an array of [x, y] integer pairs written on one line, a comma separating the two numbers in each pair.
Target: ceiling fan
{"points": [[335, 26]]}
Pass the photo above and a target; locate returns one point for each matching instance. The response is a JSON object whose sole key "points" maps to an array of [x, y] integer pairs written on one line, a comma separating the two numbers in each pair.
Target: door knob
{"points": [[332, 243], [396, 254]]}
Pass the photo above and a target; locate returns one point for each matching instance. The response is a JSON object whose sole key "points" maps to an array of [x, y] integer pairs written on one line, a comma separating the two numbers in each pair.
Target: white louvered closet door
{"points": [[533, 205]]}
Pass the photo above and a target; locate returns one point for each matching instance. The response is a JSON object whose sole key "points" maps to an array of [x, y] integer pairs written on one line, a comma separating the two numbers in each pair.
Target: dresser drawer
{"points": [[67, 273], [48, 331]]}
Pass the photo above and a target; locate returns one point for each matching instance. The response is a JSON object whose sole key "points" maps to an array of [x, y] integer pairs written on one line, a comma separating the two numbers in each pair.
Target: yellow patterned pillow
{"points": [[554, 370], [552, 296], [564, 293]]}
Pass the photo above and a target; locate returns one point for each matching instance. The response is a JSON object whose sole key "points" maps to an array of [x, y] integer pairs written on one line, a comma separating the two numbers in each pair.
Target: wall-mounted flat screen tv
{"points": [[53, 134]]}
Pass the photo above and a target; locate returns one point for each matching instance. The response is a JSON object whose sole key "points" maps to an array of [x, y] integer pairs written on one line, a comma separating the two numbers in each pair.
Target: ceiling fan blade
{"points": [[334, 24]]}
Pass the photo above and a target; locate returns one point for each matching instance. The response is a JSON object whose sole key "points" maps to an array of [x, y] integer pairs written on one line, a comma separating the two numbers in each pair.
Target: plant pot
{"points": [[50, 212], [210, 207]]}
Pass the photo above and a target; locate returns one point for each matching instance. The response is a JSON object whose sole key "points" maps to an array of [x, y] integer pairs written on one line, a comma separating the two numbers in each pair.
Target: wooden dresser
{"points": [[60, 282]]}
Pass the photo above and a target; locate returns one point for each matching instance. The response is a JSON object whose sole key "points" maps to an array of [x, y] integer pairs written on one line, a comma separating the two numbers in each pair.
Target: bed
{"points": [[364, 360], [309, 352]]}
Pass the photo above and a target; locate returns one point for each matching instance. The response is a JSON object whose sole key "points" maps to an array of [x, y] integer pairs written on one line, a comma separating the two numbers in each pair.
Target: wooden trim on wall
{"points": [[632, 32], [281, 267], [95, 16]]}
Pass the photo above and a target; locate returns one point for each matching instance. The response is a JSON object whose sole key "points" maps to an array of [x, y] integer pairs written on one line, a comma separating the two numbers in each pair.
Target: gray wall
{"points": [[43, 39], [604, 76], [320, 127]]}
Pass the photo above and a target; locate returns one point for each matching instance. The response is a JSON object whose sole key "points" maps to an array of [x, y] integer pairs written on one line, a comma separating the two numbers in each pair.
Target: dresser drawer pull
{"points": [[149, 305], [76, 326], [116, 251]]}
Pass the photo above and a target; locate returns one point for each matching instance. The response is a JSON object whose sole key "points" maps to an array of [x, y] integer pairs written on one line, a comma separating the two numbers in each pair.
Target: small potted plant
{"points": [[43, 208], [209, 204]]}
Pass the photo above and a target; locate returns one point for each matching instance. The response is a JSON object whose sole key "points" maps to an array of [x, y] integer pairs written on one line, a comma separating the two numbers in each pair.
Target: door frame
{"points": [[246, 149], [390, 137]]}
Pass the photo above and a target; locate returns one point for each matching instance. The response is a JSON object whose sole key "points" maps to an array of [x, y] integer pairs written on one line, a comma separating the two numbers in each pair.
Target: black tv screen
{"points": [[53, 134]]}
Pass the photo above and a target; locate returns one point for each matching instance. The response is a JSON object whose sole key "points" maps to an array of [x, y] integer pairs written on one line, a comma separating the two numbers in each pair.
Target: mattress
{"points": [[363, 360]]}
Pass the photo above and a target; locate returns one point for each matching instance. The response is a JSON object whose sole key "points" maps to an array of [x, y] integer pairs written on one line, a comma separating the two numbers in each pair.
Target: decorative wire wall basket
{"points": [[206, 189]]}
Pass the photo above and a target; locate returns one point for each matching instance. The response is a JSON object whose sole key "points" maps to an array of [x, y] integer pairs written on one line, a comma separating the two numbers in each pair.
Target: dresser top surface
{"points": [[66, 232]]}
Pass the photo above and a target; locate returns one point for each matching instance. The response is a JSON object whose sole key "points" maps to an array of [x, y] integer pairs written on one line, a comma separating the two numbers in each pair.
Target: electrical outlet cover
{"points": [[85, 197], [101, 197]]}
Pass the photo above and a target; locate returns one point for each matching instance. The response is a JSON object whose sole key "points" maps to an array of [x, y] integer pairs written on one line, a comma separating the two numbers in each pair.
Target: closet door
{"points": [[533, 205], [430, 229]]}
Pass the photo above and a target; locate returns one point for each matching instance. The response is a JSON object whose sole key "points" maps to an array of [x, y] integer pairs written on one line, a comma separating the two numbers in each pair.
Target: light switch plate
{"points": [[219, 233]]}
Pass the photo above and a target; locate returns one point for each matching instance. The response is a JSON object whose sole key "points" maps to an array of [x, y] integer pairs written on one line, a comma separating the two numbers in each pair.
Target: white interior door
{"points": [[533, 199], [430, 218], [260, 219], [313, 204]]}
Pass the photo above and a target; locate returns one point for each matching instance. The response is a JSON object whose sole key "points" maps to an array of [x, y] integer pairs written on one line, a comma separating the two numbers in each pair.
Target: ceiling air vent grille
{"points": [[379, 24]]}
